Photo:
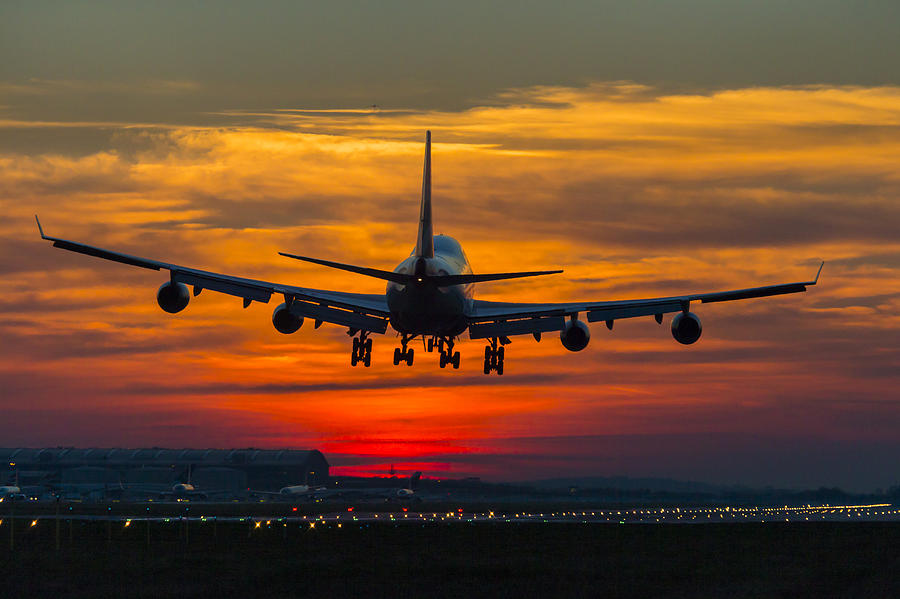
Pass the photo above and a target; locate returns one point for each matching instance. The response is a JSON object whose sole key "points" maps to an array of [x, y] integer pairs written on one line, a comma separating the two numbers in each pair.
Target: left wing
{"points": [[497, 319], [367, 312]]}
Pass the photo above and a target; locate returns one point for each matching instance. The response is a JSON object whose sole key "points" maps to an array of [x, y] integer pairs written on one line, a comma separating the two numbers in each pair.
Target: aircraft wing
{"points": [[368, 312], [497, 319]]}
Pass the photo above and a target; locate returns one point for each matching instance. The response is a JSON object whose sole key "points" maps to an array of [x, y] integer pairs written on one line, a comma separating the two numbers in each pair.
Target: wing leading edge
{"points": [[495, 319], [355, 310]]}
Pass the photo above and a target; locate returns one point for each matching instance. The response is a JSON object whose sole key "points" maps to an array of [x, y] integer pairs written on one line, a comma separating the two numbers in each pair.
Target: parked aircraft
{"points": [[430, 295]]}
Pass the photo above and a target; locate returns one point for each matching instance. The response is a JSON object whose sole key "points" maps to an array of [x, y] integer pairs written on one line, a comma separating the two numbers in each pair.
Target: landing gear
{"points": [[448, 356], [493, 357], [405, 354], [362, 350]]}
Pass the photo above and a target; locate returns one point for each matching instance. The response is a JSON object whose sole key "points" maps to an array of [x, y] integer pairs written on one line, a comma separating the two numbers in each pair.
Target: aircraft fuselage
{"points": [[426, 309]]}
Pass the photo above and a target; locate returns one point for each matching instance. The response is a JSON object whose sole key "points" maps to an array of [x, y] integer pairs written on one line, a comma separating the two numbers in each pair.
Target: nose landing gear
{"points": [[493, 357], [405, 354], [362, 350]]}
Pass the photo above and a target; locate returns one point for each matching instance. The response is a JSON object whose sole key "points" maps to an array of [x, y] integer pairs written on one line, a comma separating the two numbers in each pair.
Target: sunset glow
{"points": [[634, 189]]}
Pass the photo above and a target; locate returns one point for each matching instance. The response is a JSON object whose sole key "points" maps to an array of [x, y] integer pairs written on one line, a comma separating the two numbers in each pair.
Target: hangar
{"points": [[157, 469]]}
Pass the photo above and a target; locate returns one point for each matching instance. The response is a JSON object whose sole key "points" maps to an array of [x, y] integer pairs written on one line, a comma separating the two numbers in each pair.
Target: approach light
{"points": [[34, 522]]}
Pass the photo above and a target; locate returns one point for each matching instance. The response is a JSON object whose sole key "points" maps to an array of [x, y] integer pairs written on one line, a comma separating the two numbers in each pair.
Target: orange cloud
{"points": [[633, 192]]}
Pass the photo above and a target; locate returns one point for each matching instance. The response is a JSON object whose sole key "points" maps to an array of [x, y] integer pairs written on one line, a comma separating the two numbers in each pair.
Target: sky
{"points": [[647, 148]]}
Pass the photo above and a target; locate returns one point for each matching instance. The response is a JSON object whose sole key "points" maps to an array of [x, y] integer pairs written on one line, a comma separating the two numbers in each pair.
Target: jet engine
{"points": [[284, 321], [686, 328], [173, 297], [575, 336]]}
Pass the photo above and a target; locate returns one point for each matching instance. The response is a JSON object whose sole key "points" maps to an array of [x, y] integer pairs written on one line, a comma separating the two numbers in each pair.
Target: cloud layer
{"points": [[634, 191]]}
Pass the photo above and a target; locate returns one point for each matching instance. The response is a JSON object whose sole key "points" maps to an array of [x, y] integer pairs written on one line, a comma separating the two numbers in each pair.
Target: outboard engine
{"points": [[284, 321], [575, 336], [173, 297], [686, 328]]}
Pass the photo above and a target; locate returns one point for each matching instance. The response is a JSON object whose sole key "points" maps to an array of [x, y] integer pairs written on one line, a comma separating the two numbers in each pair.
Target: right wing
{"points": [[361, 311], [495, 319]]}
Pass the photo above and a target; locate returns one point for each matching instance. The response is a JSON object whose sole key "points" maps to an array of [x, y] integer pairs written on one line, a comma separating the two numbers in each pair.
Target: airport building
{"points": [[155, 470]]}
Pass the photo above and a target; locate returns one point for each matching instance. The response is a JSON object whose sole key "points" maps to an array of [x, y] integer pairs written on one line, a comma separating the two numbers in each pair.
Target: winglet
{"points": [[816, 280], [40, 228]]}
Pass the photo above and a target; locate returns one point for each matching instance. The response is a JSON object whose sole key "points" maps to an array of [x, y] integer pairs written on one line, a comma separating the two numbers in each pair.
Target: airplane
{"points": [[430, 294]]}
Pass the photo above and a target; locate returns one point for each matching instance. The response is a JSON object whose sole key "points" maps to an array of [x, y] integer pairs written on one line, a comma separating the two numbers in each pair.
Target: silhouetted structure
{"points": [[223, 469]]}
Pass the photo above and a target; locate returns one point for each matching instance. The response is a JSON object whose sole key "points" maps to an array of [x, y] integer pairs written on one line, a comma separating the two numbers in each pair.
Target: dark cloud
{"points": [[420, 382], [659, 215]]}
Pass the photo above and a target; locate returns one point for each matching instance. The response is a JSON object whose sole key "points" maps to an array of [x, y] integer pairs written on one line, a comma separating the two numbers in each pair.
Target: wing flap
{"points": [[522, 326], [346, 318], [224, 284], [633, 311]]}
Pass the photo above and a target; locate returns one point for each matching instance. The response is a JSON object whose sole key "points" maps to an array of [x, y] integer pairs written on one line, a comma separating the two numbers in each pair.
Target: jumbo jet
{"points": [[430, 295]]}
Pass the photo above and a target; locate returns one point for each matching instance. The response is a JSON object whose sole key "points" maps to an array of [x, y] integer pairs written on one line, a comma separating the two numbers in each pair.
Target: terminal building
{"points": [[155, 470]]}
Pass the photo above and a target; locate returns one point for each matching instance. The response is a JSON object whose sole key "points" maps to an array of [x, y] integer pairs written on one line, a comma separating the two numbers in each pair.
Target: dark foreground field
{"points": [[455, 560]]}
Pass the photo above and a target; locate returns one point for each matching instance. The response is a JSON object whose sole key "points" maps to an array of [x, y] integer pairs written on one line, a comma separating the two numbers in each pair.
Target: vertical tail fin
{"points": [[425, 240]]}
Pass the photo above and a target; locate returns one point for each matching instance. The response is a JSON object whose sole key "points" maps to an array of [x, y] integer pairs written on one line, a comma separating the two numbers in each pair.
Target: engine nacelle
{"points": [[285, 322], [575, 336], [173, 297], [686, 328]]}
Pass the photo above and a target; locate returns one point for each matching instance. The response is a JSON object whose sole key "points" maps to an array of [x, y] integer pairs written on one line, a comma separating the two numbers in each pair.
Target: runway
{"points": [[287, 515]]}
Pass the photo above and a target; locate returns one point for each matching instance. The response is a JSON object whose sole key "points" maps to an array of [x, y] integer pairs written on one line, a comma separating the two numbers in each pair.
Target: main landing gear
{"points": [[493, 356], [362, 350], [405, 354], [445, 346]]}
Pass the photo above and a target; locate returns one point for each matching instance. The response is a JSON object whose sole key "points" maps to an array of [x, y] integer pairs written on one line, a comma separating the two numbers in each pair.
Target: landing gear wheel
{"points": [[455, 361], [409, 356], [397, 356], [430, 345], [353, 359], [443, 360], [493, 357], [367, 361]]}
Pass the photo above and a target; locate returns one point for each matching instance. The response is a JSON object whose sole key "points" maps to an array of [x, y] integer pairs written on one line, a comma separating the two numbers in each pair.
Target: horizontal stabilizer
{"points": [[447, 280], [387, 275], [436, 280]]}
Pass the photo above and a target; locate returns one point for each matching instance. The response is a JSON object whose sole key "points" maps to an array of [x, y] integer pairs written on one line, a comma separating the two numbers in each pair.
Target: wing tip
{"points": [[40, 228], [818, 272]]}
